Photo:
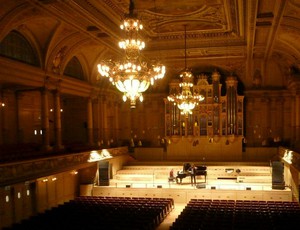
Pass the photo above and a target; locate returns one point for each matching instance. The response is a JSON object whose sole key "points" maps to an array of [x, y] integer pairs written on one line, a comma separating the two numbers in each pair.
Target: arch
{"points": [[17, 47], [74, 69]]}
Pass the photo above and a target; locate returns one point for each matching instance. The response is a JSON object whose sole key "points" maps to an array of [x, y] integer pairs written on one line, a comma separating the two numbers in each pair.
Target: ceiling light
{"points": [[132, 76], [186, 100]]}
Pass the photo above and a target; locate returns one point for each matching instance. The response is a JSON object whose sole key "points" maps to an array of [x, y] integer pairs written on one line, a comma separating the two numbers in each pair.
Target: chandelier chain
{"points": [[186, 100]]}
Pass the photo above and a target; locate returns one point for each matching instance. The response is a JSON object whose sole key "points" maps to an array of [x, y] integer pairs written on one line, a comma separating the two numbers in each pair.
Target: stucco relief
{"points": [[58, 59], [201, 19]]}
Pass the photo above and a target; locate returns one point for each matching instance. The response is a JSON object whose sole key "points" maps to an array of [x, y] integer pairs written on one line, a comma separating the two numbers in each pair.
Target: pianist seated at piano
{"points": [[171, 176], [200, 170]]}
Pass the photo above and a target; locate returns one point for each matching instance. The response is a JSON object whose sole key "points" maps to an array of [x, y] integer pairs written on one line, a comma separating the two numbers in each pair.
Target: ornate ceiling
{"points": [[243, 37]]}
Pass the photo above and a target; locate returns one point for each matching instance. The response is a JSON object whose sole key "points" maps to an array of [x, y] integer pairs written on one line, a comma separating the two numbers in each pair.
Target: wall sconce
{"points": [[140, 143], [36, 132], [131, 142], [2, 103], [74, 172], [277, 139], [61, 110]]}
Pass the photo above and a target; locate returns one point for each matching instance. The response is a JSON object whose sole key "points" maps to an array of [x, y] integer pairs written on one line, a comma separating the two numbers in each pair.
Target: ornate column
{"points": [[250, 127], [297, 118], [97, 121], [101, 119], [90, 122], [57, 121], [116, 134], [265, 119], [2, 121], [45, 119], [1, 126], [294, 89], [104, 120], [18, 131], [279, 129]]}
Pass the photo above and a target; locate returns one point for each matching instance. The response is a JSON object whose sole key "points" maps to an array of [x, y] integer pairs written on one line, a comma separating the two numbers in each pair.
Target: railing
{"points": [[20, 171]]}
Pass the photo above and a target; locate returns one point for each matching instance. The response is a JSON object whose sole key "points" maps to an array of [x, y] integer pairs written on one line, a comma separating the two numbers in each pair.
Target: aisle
{"points": [[165, 225]]}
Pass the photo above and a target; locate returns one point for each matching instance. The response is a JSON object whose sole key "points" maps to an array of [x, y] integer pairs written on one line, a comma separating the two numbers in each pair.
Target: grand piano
{"points": [[200, 171]]}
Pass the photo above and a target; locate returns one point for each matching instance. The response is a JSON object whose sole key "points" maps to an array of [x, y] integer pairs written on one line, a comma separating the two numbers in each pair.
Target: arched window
{"points": [[15, 46], [74, 69]]}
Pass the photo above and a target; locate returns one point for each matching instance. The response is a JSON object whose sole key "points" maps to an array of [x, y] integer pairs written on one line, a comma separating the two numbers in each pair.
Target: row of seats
{"points": [[167, 203], [240, 215], [92, 212]]}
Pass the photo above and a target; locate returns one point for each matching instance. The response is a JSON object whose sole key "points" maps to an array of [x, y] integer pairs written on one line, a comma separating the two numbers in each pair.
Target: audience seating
{"points": [[93, 212], [237, 215]]}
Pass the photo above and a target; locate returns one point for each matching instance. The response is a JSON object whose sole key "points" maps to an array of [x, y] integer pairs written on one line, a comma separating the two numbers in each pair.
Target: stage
{"points": [[222, 182]]}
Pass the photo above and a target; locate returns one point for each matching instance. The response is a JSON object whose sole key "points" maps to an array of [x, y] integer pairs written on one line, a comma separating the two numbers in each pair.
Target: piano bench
{"points": [[172, 179]]}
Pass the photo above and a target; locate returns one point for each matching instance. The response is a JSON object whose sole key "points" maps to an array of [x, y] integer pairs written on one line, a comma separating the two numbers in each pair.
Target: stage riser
{"points": [[184, 195]]}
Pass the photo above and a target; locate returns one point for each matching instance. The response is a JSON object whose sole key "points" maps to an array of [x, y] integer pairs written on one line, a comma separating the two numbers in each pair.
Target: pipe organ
{"points": [[216, 115]]}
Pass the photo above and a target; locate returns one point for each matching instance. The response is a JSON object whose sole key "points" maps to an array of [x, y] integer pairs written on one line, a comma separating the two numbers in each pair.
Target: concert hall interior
{"points": [[187, 115]]}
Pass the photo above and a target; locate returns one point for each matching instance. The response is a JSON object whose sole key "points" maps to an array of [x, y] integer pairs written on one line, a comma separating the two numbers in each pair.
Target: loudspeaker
{"points": [[159, 186], [104, 173], [277, 172], [277, 175]]}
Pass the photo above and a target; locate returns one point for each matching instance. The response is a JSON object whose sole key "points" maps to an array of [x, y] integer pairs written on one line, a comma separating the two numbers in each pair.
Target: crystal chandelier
{"points": [[186, 100], [132, 76]]}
